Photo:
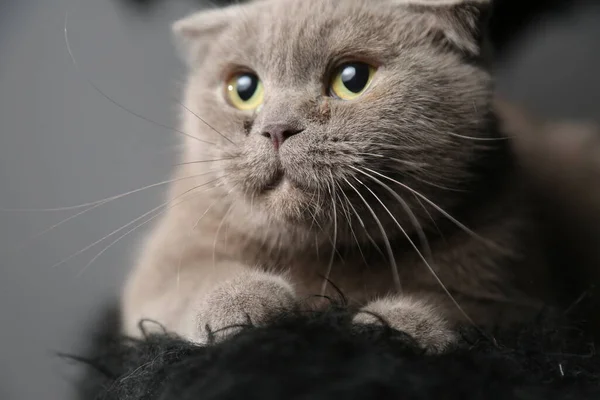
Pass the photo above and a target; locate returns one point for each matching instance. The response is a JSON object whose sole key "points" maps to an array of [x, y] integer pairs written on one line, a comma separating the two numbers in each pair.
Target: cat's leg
{"points": [[419, 318], [202, 298], [251, 297]]}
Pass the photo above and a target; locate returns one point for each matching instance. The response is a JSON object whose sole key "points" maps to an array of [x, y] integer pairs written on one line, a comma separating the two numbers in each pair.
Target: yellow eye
{"points": [[245, 91], [351, 80]]}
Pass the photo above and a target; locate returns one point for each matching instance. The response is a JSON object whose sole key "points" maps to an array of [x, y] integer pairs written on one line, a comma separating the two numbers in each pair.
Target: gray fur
{"points": [[426, 122]]}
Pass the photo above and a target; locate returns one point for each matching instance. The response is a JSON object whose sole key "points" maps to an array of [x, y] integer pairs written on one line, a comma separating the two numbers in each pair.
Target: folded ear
{"points": [[195, 33], [460, 23]]}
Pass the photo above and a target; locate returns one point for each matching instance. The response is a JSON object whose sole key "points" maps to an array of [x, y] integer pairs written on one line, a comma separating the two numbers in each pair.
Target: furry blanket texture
{"points": [[321, 355]]}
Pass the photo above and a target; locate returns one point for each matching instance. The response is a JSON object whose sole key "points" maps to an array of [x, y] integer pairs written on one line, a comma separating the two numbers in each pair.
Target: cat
{"points": [[347, 145]]}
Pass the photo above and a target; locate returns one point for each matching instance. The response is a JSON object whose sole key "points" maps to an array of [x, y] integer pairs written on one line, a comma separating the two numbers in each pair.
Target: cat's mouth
{"points": [[283, 181], [275, 182], [280, 182]]}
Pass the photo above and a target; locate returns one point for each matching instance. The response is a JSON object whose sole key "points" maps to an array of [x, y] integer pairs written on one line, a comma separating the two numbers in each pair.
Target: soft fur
{"points": [[407, 196]]}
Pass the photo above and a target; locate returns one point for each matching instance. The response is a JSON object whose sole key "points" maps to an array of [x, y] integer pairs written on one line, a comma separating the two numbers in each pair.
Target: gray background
{"points": [[62, 144]]}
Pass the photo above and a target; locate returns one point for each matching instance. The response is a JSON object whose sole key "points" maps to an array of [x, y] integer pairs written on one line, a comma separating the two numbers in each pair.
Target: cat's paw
{"points": [[252, 297], [414, 317]]}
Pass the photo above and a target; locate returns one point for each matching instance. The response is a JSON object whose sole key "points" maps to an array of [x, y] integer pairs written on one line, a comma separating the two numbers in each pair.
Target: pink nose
{"points": [[279, 133]]}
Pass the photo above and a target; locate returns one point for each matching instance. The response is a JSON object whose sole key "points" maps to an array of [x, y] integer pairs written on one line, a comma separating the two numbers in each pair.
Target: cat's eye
{"points": [[245, 91], [350, 80]]}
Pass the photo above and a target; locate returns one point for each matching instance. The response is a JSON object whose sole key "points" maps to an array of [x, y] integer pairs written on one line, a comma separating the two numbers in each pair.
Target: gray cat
{"points": [[344, 141]]}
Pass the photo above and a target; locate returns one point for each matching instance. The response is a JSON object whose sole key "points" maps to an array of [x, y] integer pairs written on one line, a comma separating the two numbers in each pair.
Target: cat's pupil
{"points": [[355, 77], [246, 86]]}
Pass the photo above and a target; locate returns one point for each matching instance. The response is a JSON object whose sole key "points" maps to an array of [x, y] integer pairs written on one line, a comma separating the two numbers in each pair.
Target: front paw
{"points": [[252, 297], [413, 317]]}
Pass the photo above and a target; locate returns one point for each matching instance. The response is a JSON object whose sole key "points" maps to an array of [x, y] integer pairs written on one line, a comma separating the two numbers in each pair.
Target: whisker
{"points": [[433, 221], [414, 166], [119, 229], [93, 85], [441, 210], [105, 200], [58, 224], [395, 274], [427, 264], [190, 234], [313, 214], [407, 209], [204, 161], [265, 235], [214, 255], [479, 139], [92, 207], [349, 219], [398, 160], [436, 185], [204, 122], [362, 224], [334, 244], [110, 245]]}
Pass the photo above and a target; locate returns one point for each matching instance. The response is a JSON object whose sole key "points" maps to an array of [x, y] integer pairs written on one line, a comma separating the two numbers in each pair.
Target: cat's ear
{"points": [[194, 33], [460, 23]]}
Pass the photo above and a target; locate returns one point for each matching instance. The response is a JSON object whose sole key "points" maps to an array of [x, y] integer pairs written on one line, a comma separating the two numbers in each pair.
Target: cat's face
{"points": [[323, 102]]}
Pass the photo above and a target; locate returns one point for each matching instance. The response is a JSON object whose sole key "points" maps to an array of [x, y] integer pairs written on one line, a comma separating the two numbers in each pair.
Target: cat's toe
{"points": [[414, 317], [251, 298]]}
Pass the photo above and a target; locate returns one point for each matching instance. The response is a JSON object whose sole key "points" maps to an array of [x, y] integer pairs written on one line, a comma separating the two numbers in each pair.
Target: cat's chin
{"points": [[286, 201], [284, 185], [283, 191]]}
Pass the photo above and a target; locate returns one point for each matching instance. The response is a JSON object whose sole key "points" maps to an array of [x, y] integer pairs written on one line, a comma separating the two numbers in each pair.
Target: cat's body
{"points": [[255, 216]]}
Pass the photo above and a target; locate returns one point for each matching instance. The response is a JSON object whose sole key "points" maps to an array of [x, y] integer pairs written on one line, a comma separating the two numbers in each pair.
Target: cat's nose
{"points": [[279, 133]]}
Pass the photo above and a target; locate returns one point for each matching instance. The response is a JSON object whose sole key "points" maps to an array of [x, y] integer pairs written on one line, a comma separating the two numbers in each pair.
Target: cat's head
{"points": [[337, 109]]}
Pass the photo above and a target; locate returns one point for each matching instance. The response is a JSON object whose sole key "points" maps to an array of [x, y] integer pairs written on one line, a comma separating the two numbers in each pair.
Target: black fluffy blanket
{"points": [[321, 355]]}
